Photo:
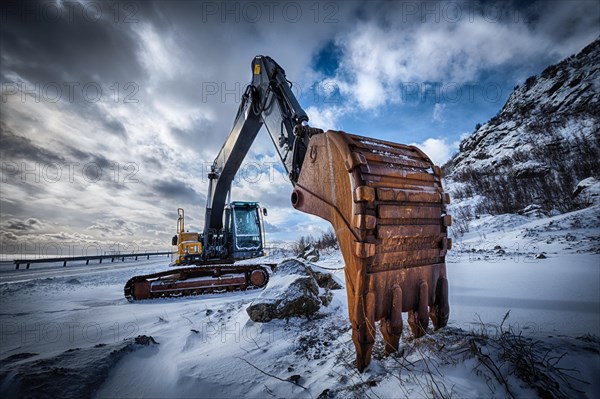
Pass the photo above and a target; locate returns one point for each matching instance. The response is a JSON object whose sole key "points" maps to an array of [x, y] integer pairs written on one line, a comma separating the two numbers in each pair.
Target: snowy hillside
{"points": [[70, 333], [541, 144]]}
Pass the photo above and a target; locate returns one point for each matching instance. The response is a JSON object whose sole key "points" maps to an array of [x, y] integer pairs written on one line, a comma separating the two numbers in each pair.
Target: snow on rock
{"points": [[325, 280], [544, 140], [531, 232], [75, 373], [533, 210], [530, 169], [310, 253], [563, 94], [292, 291], [587, 192]]}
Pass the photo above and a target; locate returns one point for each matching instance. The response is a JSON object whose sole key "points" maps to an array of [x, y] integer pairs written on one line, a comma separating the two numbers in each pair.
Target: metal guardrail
{"points": [[64, 260]]}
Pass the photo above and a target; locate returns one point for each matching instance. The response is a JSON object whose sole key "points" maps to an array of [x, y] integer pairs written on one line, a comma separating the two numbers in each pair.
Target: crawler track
{"points": [[196, 280]]}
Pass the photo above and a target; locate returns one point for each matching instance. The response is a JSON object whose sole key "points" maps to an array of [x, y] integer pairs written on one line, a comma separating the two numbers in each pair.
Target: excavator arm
{"points": [[267, 100]]}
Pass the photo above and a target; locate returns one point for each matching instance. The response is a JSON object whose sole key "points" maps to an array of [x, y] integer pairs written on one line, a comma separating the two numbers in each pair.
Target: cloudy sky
{"points": [[112, 111]]}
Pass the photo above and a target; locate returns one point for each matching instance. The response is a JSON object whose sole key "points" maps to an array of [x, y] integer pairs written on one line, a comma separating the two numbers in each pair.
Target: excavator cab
{"points": [[246, 228], [243, 237]]}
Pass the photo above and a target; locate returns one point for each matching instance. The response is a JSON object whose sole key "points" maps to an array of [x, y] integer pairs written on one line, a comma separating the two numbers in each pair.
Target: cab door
{"points": [[247, 231]]}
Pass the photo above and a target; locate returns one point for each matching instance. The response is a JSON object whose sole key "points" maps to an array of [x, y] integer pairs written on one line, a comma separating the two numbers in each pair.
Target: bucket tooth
{"points": [[423, 310], [439, 312], [391, 327], [388, 209]]}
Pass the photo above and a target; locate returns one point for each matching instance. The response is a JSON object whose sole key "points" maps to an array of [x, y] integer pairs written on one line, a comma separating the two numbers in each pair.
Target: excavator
{"points": [[384, 200], [241, 238]]}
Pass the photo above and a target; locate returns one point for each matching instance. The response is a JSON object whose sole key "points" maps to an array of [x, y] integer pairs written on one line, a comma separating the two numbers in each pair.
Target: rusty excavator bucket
{"points": [[391, 228]]}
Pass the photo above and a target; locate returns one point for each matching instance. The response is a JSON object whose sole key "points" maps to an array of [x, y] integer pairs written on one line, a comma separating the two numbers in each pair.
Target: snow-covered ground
{"points": [[208, 346]]}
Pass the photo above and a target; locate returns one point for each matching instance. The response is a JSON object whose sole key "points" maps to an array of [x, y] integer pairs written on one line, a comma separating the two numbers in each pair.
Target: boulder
{"points": [[311, 253], [325, 280], [291, 266], [291, 292], [587, 192]]}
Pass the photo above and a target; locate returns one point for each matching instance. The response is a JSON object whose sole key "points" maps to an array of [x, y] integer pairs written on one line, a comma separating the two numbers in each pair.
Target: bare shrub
{"points": [[299, 246], [503, 351], [564, 164], [461, 217], [327, 240]]}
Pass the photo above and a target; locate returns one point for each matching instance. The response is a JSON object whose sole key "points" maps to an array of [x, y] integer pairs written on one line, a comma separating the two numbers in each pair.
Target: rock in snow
{"points": [[292, 291], [311, 253], [325, 280], [587, 191], [565, 97]]}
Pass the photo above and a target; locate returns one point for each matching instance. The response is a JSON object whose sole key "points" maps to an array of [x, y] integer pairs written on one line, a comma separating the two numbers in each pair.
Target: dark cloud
{"points": [[115, 127], [15, 147], [102, 123], [174, 189], [33, 169], [68, 43], [25, 165], [101, 161], [77, 153], [19, 147], [60, 236], [8, 236], [562, 21], [152, 162], [75, 48], [22, 225], [115, 185], [97, 159], [115, 227], [198, 136]]}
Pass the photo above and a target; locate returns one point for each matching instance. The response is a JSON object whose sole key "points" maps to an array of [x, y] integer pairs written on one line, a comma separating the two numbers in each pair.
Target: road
{"points": [[8, 274]]}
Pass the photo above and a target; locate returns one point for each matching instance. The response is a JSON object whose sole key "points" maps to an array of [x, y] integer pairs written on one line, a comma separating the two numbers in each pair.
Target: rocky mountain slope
{"points": [[543, 142]]}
